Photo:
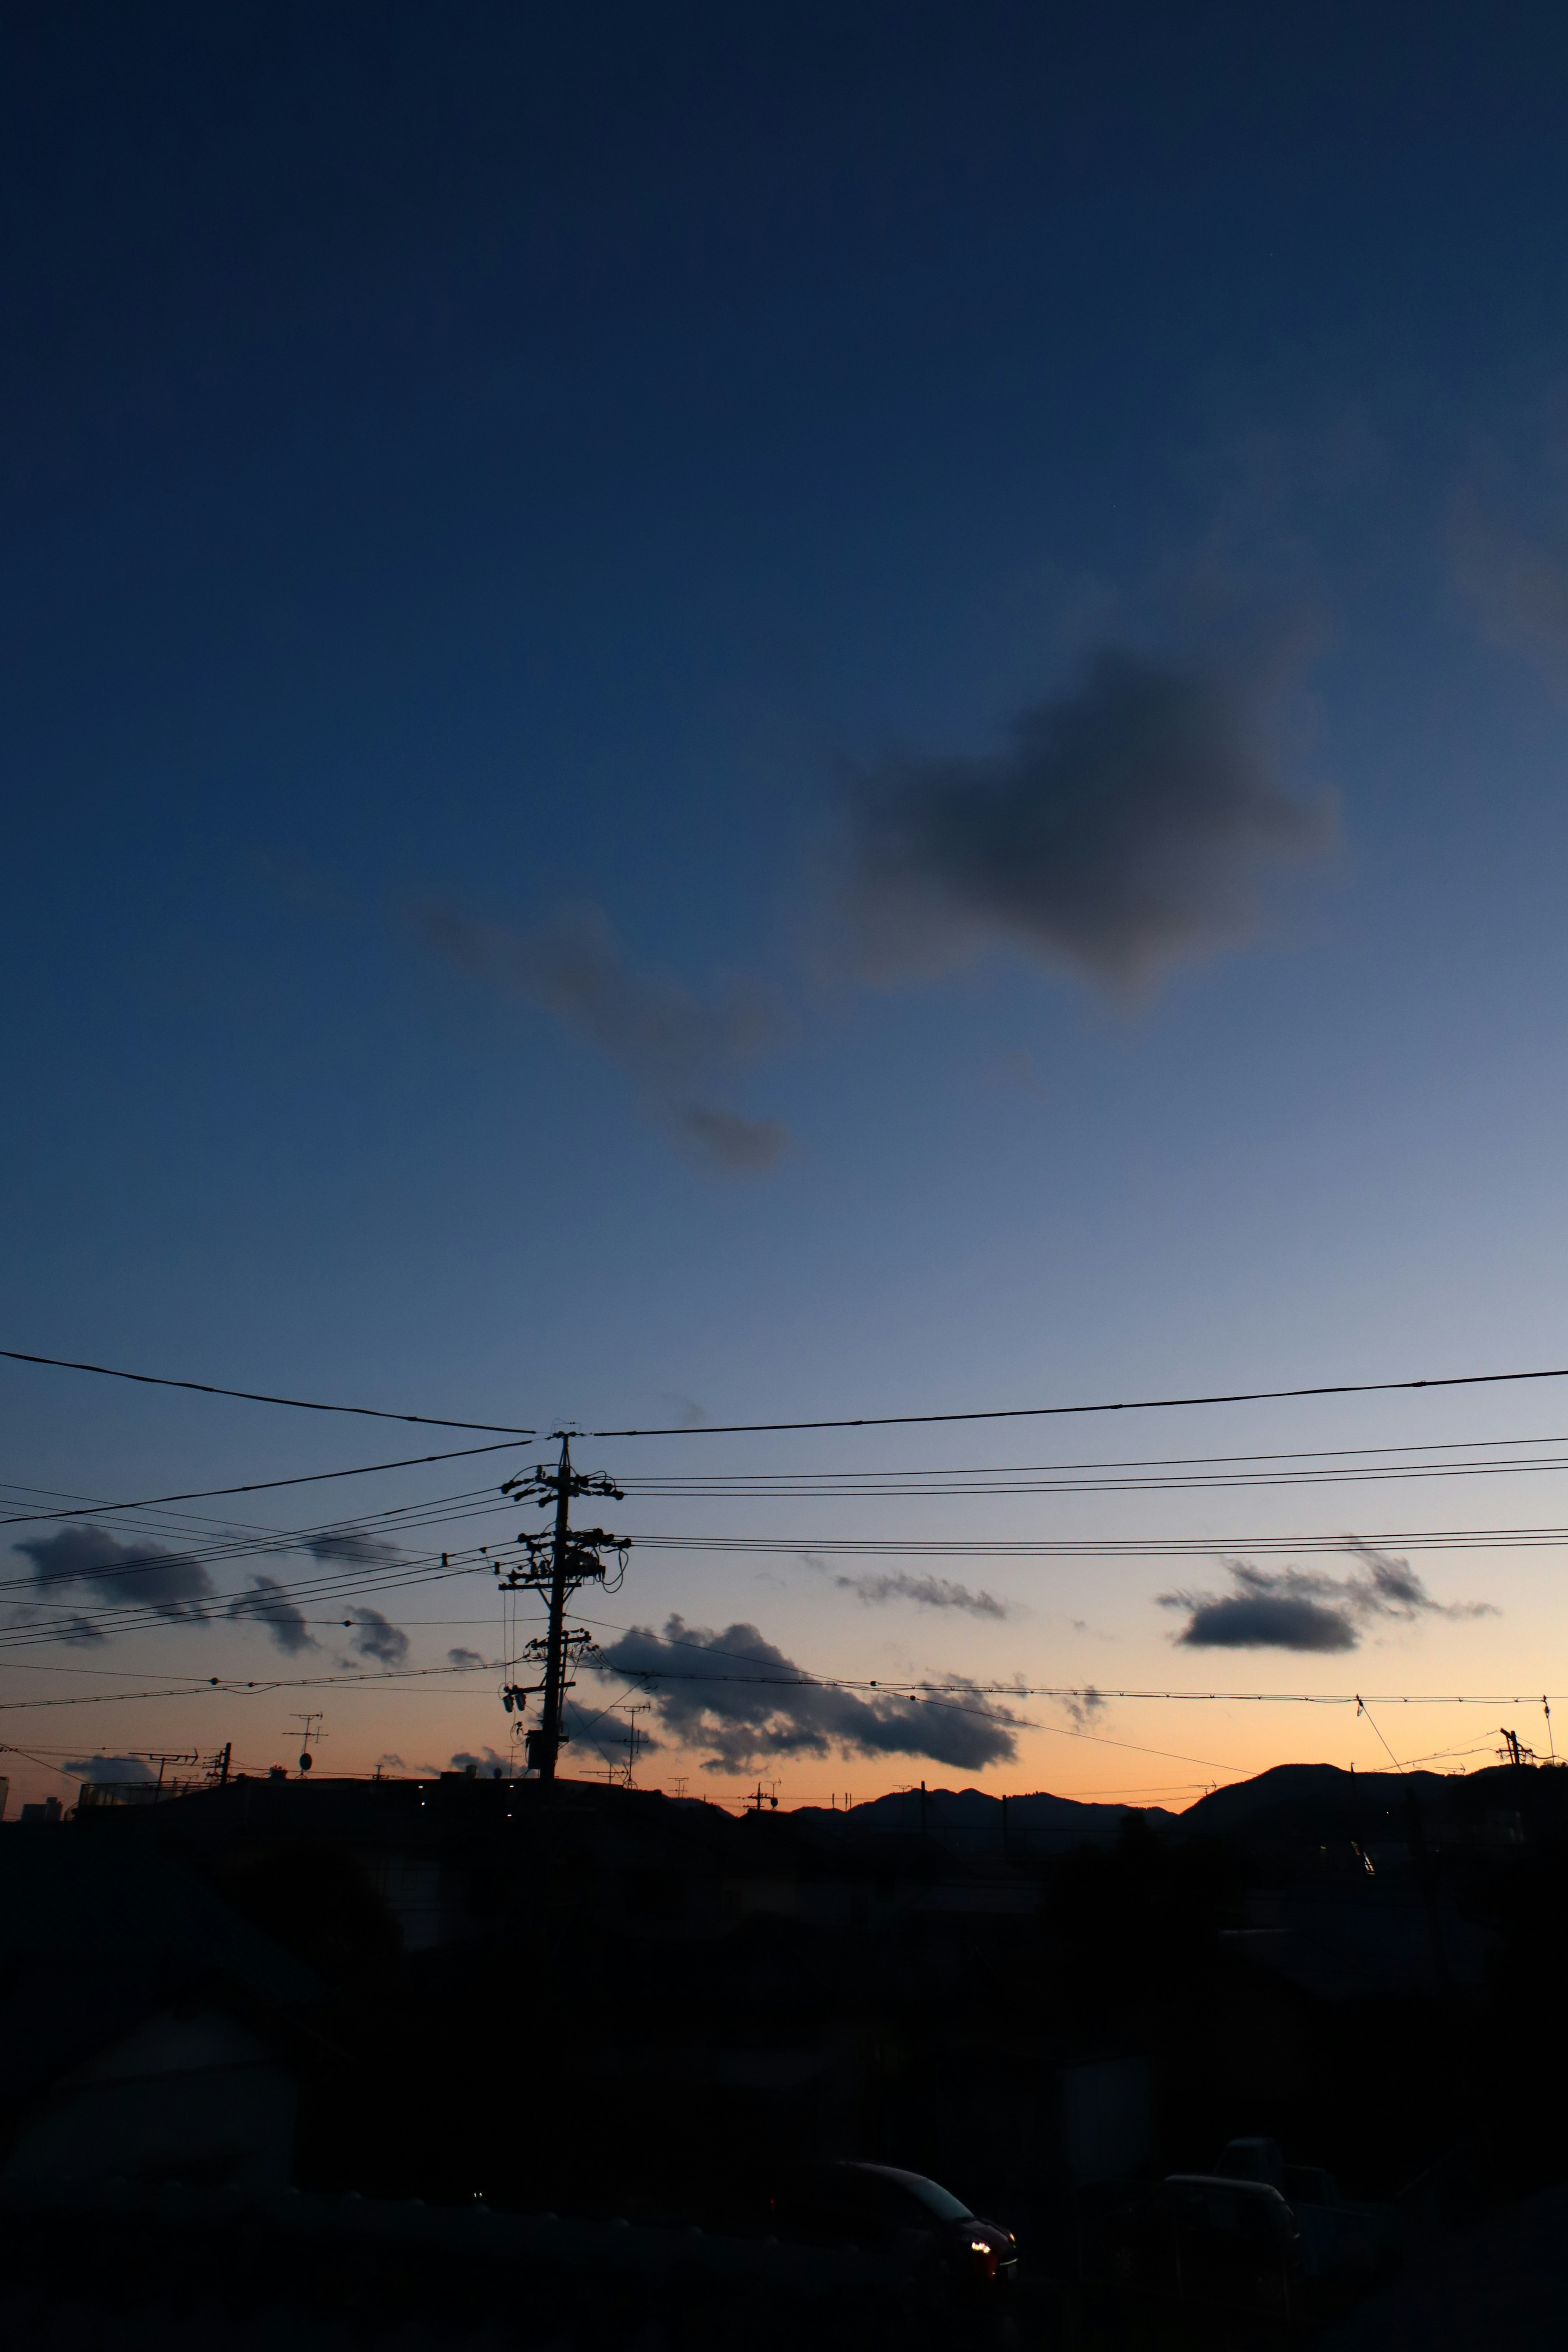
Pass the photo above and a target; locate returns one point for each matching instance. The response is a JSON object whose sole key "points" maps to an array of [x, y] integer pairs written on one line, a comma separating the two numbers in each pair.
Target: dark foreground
{"points": [[321, 2065]]}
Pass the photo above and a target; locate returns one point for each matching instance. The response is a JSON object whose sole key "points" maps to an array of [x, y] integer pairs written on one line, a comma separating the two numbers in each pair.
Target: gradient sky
{"points": [[722, 714]]}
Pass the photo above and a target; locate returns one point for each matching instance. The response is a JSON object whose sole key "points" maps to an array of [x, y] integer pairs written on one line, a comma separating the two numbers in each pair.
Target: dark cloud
{"points": [[1264, 1620], [125, 1575], [1309, 1610], [464, 1658], [676, 1049], [375, 1636], [486, 1762], [267, 1603], [118, 1768], [755, 1702], [930, 1591], [1516, 586], [1124, 829]]}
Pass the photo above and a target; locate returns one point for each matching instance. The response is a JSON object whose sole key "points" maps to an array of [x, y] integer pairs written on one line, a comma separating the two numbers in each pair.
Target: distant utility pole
{"points": [[558, 1564]]}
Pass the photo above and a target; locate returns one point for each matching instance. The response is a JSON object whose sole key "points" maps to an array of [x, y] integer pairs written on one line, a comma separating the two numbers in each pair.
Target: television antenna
{"points": [[313, 1734]]}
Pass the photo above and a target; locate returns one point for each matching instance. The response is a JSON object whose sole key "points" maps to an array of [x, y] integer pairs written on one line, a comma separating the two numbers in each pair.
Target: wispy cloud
{"points": [[678, 1048], [1516, 586], [267, 1603], [376, 1637], [753, 1703], [928, 1592], [1308, 1610], [1124, 828]]}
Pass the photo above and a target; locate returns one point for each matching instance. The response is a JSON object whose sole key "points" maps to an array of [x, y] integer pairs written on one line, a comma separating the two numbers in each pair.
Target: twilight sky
{"points": [[715, 715]]}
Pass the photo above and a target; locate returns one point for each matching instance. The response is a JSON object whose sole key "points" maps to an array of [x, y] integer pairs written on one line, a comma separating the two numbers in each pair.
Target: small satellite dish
{"points": [[304, 1763]]}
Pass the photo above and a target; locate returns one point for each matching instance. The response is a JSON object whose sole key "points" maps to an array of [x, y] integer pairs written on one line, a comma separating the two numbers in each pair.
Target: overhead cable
{"points": [[256, 1396], [262, 1486], [1123, 1404]]}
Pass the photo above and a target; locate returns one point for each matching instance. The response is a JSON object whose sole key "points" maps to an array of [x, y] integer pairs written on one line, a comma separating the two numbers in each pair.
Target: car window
{"points": [[935, 2199]]}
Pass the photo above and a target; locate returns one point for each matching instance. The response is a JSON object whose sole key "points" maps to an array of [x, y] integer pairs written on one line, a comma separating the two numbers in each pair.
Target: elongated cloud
{"points": [[352, 1548], [677, 1049], [87, 1559], [1309, 1610], [928, 1592], [734, 1698], [1124, 828]]}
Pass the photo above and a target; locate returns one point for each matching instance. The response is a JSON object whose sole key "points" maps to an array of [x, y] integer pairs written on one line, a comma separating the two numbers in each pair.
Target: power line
{"points": [[256, 1396], [1125, 1404], [1113, 1548], [261, 1485], [1096, 1478]]}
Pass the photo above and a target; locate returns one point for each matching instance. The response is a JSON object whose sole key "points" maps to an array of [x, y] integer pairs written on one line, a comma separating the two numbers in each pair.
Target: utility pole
{"points": [[557, 1565]]}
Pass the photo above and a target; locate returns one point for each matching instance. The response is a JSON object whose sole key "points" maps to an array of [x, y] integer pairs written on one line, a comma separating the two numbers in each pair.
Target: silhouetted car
{"points": [[1220, 2248], [902, 2215]]}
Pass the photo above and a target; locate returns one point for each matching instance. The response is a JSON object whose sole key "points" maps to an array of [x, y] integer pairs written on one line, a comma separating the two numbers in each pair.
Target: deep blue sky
{"points": [[517, 462]]}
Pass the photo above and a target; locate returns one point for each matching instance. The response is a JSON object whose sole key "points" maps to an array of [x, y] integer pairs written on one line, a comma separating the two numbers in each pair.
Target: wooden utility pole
{"points": [[557, 1565], [544, 1745]]}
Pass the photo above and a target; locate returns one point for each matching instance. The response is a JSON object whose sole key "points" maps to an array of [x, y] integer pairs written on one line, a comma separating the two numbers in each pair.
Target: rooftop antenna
{"points": [[634, 1738], [313, 1731], [186, 1755]]}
